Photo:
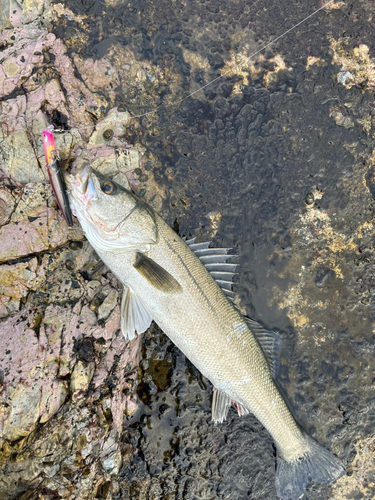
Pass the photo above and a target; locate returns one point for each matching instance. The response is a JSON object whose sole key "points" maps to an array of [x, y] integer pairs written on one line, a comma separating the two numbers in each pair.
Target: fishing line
{"points": [[241, 63]]}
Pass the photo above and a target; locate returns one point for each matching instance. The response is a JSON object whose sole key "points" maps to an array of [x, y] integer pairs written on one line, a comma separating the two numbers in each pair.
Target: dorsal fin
{"points": [[269, 341], [216, 262]]}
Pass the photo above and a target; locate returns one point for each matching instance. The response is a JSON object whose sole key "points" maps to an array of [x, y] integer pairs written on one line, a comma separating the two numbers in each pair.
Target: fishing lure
{"points": [[56, 179]]}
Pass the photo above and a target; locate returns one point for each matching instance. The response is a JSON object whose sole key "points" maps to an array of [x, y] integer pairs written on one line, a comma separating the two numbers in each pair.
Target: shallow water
{"points": [[235, 164]]}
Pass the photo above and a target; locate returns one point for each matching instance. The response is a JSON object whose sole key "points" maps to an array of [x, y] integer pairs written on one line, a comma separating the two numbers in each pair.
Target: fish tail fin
{"points": [[317, 465]]}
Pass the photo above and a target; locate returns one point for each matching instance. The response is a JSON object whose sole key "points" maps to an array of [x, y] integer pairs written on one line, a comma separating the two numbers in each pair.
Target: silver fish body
{"points": [[166, 282], [210, 331]]}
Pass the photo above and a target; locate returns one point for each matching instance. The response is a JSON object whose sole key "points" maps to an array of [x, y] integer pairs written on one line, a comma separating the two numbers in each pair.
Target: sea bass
{"points": [[186, 289]]}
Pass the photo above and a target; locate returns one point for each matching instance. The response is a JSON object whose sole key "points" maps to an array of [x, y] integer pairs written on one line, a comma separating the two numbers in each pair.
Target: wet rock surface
{"points": [[276, 159]]}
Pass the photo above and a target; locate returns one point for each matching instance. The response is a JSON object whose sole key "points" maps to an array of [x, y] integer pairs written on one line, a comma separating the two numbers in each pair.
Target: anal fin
{"points": [[134, 315], [221, 403]]}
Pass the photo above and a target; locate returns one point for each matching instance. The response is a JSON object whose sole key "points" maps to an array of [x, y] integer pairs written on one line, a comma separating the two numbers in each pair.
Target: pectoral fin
{"points": [[156, 275], [134, 315]]}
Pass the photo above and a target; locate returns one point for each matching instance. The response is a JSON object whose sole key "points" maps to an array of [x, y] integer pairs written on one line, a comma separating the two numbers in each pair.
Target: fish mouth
{"points": [[82, 187]]}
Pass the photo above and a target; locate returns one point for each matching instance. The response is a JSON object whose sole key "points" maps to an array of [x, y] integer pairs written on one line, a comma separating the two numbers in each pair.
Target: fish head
{"points": [[112, 217]]}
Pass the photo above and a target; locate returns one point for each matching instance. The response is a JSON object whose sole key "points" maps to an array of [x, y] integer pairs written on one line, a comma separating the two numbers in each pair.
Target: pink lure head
{"points": [[50, 151]]}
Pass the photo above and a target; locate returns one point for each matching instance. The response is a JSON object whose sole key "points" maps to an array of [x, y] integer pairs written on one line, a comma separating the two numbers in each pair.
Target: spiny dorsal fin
{"points": [[221, 403], [156, 275], [269, 341], [134, 316], [216, 262]]}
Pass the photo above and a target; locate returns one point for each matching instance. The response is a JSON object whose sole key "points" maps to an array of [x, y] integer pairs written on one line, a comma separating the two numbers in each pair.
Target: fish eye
{"points": [[109, 188]]}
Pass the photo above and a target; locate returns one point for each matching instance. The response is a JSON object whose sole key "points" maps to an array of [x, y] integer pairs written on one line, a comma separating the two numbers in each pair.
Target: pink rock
{"points": [[30, 390], [75, 88], [116, 348], [16, 281], [122, 403], [7, 202], [98, 75], [55, 97], [17, 68], [32, 237]]}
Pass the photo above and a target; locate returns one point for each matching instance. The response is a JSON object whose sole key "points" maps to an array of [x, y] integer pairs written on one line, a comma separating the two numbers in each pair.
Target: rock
{"points": [[16, 281], [30, 391], [106, 165], [86, 430], [113, 463], [6, 9], [357, 65], [30, 405], [127, 159], [79, 97], [34, 226], [121, 179], [344, 76], [7, 203], [108, 305], [341, 120], [19, 57], [115, 122], [21, 162], [98, 75], [32, 10], [81, 378]]}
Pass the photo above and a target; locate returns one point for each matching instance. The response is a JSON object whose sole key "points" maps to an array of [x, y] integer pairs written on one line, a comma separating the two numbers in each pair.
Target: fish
{"points": [[55, 175], [185, 287]]}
